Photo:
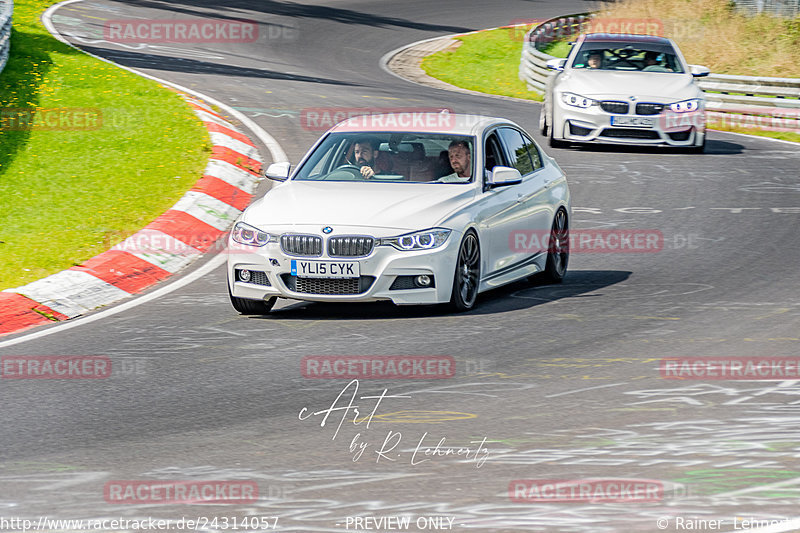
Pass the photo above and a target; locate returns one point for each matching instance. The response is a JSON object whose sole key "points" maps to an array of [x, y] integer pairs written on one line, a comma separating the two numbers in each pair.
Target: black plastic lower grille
{"points": [[629, 133], [402, 283], [328, 285], [257, 277], [680, 135], [578, 130]]}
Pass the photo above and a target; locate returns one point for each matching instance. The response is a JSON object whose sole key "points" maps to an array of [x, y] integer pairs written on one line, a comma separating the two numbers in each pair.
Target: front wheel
{"points": [[467, 275], [558, 249], [699, 149], [251, 307], [543, 121], [555, 143]]}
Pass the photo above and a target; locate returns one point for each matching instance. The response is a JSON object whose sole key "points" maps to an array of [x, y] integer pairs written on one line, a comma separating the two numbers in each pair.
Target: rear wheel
{"points": [[558, 249], [467, 275]]}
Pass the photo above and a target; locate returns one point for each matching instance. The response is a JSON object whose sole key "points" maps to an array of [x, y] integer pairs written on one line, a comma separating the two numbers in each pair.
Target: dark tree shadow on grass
{"points": [[29, 61]]}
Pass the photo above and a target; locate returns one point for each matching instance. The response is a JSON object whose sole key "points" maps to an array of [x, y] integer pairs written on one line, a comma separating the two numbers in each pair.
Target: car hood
{"points": [[401, 206], [658, 86]]}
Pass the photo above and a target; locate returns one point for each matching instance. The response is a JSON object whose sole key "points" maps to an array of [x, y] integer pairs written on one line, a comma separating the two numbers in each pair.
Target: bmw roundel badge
{"points": [[327, 229]]}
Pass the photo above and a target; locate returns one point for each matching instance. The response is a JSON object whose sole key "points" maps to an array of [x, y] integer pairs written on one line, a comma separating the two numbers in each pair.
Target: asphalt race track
{"points": [[563, 382]]}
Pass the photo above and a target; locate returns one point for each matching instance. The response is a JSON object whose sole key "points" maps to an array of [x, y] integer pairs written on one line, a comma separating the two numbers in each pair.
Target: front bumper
{"points": [[595, 125], [271, 275]]}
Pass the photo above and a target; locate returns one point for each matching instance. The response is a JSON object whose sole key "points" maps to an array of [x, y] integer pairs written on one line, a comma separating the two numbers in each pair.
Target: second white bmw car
{"points": [[411, 208], [624, 89]]}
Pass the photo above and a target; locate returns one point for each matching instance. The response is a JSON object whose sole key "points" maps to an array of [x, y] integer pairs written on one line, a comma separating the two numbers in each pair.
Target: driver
{"points": [[595, 59], [365, 155]]}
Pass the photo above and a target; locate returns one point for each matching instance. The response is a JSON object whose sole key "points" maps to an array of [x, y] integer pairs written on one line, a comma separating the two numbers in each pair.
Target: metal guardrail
{"points": [[781, 8], [736, 99], [6, 9], [533, 69]]}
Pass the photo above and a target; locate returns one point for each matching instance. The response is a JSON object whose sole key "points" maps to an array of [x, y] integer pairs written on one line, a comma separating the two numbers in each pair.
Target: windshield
{"points": [[391, 157], [611, 55]]}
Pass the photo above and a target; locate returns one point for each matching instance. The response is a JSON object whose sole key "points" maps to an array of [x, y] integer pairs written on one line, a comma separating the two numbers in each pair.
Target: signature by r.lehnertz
{"points": [[358, 445]]}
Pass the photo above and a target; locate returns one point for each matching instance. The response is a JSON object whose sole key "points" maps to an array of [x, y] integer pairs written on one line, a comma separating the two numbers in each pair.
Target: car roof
{"points": [[417, 122], [625, 38]]}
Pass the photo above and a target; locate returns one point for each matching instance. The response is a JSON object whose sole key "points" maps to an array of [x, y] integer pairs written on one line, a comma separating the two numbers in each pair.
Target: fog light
{"points": [[244, 275], [423, 281]]}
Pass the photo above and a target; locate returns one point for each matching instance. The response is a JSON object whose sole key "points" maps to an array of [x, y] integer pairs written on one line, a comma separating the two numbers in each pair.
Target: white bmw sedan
{"points": [[412, 208], [624, 89]]}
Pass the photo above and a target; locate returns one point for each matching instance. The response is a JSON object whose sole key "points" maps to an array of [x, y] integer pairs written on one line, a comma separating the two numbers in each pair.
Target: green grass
{"points": [[486, 61], [66, 196], [558, 49], [783, 135]]}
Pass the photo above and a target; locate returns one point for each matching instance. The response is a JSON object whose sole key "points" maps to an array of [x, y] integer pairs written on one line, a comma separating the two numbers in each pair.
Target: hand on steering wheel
{"points": [[364, 171]]}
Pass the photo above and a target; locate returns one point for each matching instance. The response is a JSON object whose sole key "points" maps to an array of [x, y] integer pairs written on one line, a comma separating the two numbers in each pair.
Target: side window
{"points": [[494, 154], [533, 152], [517, 150]]}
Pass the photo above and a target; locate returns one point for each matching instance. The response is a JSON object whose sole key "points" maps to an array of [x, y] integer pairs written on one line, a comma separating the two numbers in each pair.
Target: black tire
{"points": [[467, 276], [699, 149], [246, 306], [558, 250], [555, 143], [544, 129]]}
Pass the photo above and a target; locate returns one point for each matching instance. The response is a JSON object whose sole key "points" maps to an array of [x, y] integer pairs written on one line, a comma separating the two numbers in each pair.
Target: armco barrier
{"points": [[728, 98], [6, 9]]}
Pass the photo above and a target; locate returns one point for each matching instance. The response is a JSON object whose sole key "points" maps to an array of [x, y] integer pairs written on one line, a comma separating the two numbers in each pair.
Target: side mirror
{"points": [[278, 171], [698, 71], [502, 176], [556, 64]]}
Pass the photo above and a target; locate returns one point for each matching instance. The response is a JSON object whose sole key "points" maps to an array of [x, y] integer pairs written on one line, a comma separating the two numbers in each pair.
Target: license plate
{"points": [[326, 269], [633, 122]]}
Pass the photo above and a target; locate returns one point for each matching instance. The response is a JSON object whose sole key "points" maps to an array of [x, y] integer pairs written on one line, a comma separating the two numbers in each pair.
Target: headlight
{"points": [[247, 234], [577, 100], [421, 240], [685, 106]]}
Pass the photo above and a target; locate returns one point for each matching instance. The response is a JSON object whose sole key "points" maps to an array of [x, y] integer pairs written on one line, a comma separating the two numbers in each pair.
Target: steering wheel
{"points": [[347, 171]]}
